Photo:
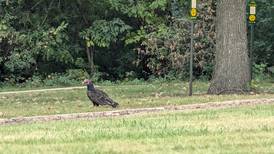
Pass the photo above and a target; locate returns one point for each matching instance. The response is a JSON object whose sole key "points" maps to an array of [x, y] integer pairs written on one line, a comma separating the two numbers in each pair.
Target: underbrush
{"points": [[75, 77]]}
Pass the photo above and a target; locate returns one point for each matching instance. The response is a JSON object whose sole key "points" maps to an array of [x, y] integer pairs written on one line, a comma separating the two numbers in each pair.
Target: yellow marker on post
{"points": [[252, 12], [193, 11], [252, 20]]}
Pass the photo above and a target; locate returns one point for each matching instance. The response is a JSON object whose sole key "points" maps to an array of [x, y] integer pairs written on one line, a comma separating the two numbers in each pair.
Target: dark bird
{"points": [[98, 97]]}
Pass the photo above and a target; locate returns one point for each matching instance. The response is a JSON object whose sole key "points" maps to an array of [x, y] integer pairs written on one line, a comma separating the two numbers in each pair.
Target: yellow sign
{"points": [[193, 12], [252, 18]]}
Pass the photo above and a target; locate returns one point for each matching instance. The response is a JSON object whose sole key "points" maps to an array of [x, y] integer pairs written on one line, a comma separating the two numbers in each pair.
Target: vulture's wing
{"points": [[105, 99], [101, 98], [97, 98], [101, 92], [90, 96]]}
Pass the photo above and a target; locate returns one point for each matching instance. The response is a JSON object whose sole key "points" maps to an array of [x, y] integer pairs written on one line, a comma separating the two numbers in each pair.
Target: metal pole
{"points": [[251, 50], [191, 60]]}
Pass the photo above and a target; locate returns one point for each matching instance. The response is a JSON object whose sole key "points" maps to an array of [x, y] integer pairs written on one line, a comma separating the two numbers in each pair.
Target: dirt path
{"points": [[45, 90], [40, 90], [92, 115]]}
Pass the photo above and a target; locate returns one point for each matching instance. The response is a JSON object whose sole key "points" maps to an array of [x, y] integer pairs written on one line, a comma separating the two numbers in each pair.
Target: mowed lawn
{"points": [[238, 130], [128, 96]]}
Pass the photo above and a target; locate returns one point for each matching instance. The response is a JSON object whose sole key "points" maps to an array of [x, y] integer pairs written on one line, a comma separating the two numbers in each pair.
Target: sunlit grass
{"points": [[242, 130], [129, 96]]}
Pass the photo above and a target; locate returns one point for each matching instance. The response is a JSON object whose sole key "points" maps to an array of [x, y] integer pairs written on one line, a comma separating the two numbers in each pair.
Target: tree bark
{"points": [[90, 55], [231, 72]]}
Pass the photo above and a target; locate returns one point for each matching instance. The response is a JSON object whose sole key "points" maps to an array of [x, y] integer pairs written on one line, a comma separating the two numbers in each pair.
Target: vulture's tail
{"points": [[114, 104]]}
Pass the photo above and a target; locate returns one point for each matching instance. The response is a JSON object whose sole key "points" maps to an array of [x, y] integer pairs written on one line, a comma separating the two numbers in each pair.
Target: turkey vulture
{"points": [[98, 97]]}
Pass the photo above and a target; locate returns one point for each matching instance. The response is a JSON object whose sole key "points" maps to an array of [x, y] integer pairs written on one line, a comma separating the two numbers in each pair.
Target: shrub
{"points": [[259, 72]]}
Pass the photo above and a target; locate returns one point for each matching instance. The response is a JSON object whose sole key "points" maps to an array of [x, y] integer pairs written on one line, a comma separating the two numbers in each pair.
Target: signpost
{"points": [[252, 20], [193, 16]]}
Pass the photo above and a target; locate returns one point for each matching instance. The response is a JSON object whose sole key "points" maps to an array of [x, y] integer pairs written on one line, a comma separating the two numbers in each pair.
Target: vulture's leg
{"points": [[95, 104]]}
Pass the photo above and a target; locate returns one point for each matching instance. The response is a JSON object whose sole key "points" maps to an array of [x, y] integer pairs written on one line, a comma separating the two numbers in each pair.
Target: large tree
{"points": [[231, 72]]}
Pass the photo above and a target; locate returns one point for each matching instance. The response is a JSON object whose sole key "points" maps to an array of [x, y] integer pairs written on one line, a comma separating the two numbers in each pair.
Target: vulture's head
{"points": [[87, 82]]}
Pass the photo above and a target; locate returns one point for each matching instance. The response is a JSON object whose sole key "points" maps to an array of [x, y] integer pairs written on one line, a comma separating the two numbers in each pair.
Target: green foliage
{"points": [[164, 50], [143, 9], [136, 37], [23, 48], [130, 39], [264, 33], [71, 77], [259, 71], [102, 33], [59, 79]]}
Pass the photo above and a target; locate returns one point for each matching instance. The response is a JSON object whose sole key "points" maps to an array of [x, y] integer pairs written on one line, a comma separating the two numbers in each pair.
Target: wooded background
{"points": [[115, 39]]}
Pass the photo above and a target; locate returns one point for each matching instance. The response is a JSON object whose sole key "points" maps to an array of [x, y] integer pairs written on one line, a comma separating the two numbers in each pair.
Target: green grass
{"points": [[242, 130], [129, 96]]}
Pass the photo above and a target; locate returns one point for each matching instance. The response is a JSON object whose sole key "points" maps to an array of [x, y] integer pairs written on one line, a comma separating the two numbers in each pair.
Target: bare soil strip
{"points": [[115, 113], [45, 90], [40, 90]]}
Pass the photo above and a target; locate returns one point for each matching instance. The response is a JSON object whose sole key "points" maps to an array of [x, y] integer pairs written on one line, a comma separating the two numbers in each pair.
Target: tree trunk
{"points": [[90, 55], [231, 72]]}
